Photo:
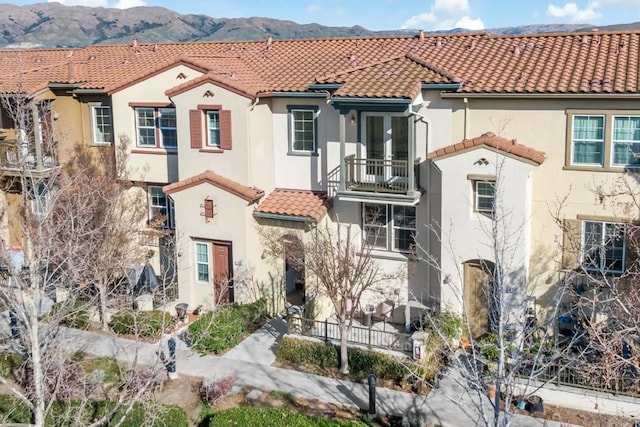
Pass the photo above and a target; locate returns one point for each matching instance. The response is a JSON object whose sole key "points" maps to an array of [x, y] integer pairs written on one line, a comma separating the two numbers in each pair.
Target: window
{"points": [[484, 196], [588, 140], [203, 262], [161, 210], [626, 141], [156, 127], [214, 135], [41, 198], [607, 140], [389, 227], [603, 246], [101, 122], [303, 130], [213, 129]]}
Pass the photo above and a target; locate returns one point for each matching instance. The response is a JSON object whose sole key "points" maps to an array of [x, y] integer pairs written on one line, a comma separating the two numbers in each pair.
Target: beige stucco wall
{"points": [[556, 190], [155, 165]]}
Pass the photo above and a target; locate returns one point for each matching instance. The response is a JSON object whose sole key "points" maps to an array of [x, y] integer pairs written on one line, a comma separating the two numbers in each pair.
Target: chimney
{"points": [[269, 41], [516, 51], [421, 35]]}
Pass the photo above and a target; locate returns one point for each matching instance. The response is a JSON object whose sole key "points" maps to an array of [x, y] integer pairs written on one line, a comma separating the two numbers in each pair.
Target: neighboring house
{"points": [[419, 142]]}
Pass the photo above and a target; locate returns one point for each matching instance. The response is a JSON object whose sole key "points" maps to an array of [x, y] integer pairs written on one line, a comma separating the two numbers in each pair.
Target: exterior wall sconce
{"points": [[352, 120]]}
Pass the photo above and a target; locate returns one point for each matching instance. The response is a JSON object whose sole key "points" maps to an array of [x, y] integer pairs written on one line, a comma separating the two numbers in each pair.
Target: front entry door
{"points": [[476, 298], [222, 271]]}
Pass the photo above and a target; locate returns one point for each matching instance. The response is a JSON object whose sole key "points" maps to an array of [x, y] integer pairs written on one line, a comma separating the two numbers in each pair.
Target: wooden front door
{"points": [[476, 298], [222, 273]]}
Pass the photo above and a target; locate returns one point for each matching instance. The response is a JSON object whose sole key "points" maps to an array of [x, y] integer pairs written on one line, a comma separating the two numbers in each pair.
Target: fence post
{"points": [[326, 330], [369, 339]]}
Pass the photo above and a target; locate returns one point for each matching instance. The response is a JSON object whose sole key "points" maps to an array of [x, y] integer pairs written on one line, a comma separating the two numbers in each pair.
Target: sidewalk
{"points": [[446, 406]]}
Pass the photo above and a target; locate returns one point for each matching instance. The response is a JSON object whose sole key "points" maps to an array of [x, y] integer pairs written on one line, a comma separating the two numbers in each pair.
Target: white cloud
{"points": [[312, 8], [470, 24], [445, 14], [126, 4], [91, 3], [340, 11], [573, 12]]}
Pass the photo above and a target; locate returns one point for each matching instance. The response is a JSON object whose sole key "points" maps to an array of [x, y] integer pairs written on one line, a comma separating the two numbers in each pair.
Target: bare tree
{"points": [[66, 225], [512, 354], [339, 265]]}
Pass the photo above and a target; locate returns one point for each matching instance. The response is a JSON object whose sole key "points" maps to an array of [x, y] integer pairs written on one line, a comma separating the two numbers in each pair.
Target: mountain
{"points": [[55, 25]]}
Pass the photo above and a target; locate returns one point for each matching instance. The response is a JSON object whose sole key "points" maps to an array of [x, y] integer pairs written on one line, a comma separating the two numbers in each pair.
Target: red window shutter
{"points": [[208, 208], [225, 129], [195, 123]]}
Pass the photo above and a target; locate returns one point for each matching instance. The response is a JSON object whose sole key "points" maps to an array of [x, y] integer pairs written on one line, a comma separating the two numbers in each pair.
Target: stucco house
{"points": [[419, 142]]}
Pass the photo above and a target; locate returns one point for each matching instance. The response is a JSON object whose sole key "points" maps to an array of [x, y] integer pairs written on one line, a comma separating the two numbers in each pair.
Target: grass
{"points": [[272, 417]]}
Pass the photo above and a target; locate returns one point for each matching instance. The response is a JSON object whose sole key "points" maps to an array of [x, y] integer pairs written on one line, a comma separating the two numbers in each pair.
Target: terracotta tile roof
{"points": [[492, 141], [250, 194], [571, 63], [397, 77], [295, 203]]}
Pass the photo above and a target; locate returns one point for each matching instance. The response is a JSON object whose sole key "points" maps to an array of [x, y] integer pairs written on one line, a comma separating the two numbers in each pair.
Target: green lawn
{"points": [[273, 417]]}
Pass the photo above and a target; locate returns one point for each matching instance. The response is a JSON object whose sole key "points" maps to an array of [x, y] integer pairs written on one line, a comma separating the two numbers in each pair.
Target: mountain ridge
{"points": [[46, 25]]}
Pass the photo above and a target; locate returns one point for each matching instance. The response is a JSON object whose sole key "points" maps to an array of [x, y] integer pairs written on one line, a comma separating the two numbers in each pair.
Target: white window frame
{"points": [[213, 129], [389, 230], [167, 207], [602, 267], [292, 111], [477, 196], [602, 141], [97, 131], [158, 128], [624, 142], [208, 263]]}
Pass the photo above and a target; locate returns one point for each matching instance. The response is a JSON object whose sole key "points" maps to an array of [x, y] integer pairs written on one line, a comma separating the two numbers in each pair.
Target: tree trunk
{"points": [[102, 291], [36, 361], [344, 358]]}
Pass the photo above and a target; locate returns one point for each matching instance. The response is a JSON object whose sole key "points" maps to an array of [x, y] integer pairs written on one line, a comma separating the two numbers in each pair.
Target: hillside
{"points": [[55, 25]]}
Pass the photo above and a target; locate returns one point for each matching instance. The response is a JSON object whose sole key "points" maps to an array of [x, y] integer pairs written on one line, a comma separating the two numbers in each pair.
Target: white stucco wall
{"points": [[158, 166], [466, 234]]}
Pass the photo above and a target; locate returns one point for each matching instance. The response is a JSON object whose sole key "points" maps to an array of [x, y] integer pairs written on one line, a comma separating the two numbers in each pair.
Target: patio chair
{"points": [[384, 311]]}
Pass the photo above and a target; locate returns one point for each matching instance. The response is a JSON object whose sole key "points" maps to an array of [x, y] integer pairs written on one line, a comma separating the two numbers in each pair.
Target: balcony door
{"points": [[385, 146]]}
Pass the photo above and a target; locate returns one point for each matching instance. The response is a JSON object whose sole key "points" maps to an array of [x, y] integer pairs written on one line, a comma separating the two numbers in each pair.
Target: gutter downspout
{"points": [[250, 166], [466, 116], [342, 125]]}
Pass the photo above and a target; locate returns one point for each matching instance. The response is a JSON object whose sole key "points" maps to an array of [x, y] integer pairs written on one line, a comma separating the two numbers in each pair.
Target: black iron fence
{"points": [[580, 376], [366, 336]]}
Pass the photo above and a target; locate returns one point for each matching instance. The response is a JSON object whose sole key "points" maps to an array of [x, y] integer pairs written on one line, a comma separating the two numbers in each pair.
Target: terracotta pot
{"points": [[491, 391]]}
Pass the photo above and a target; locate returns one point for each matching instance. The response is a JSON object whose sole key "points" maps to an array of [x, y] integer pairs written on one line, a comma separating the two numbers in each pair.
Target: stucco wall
{"points": [[155, 165]]}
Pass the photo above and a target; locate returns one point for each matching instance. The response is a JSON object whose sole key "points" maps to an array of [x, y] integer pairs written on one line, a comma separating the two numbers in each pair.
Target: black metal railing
{"points": [[366, 336], [575, 375], [380, 175]]}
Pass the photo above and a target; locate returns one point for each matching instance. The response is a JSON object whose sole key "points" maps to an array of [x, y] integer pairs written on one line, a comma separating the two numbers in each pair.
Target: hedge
{"points": [[219, 331], [147, 324], [361, 362]]}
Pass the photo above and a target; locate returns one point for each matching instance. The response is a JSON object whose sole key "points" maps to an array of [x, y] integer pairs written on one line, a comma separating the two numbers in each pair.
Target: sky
{"points": [[400, 14]]}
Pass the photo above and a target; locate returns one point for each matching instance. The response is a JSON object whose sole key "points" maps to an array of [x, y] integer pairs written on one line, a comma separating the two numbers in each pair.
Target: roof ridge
{"points": [[361, 67], [420, 61]]}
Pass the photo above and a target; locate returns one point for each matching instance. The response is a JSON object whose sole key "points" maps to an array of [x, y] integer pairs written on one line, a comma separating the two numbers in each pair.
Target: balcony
{"points": [[17, 159], [385, 180]]}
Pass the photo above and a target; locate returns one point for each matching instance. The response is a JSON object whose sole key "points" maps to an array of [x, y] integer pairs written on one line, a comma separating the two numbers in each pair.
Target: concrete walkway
{"points": [[446, 406]]}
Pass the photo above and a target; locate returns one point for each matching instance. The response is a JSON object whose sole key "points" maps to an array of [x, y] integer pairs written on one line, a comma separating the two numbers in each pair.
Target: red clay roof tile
{"points": [[571, 63], [492, 141], [296, 203], [250, 194]]}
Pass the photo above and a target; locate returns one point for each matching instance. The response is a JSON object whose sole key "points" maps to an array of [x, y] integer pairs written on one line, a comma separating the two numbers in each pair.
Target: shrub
{"points": [[74, 315], [148, 324], [214, 389], [361, 362], [219, 331]]}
